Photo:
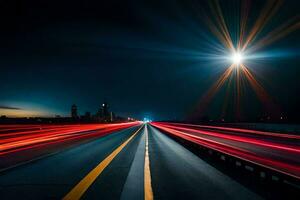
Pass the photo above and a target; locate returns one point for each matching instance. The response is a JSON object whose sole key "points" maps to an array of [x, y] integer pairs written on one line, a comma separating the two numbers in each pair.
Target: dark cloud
{"points": [[9, 107]]}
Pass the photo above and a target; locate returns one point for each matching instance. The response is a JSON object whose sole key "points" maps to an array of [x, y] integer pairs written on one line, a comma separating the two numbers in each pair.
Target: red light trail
{"points": [[240, 130], [274, 152], [15, 138]]}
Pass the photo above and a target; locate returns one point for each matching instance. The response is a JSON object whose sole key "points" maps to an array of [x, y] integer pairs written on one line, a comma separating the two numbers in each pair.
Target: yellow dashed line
{"points": [[147, 174], [87, 181]]}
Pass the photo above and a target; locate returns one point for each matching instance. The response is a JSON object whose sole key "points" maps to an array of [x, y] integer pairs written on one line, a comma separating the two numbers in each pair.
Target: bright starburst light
{"points": [[237, 74], [236, 58]]}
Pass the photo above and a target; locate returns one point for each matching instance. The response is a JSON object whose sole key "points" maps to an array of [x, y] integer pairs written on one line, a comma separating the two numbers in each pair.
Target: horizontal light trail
{"points": [[24, 140], [5, 129], [240, 130], [243, 152], [267, 144], [33, 134], [20, 130], [75, 137], [4, 138]]}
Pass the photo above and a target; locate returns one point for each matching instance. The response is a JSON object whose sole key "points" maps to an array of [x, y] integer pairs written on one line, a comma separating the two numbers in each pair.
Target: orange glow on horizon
{"points": [[19, 113]]}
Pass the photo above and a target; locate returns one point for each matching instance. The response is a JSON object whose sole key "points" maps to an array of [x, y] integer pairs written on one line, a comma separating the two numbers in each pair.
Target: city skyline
{"points": [[73, 112]]}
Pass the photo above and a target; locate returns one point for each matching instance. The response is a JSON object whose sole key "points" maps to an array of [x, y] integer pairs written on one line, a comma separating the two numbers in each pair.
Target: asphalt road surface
{"points": [[135, 163]]}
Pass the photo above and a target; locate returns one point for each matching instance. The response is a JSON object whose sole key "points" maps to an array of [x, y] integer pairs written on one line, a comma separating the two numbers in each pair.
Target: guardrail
{"points": [[263, 175]]}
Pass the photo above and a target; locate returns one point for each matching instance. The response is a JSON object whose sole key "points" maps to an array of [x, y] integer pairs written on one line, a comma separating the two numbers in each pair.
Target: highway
{"points": [[279, 152], [135, 161]]}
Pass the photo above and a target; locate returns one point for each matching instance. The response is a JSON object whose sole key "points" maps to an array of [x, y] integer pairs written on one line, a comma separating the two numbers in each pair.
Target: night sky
{"points": [[145, 58]]}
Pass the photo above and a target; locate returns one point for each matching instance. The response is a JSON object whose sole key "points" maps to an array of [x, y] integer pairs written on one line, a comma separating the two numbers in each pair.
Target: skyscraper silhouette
{"points": [[74, 114]]}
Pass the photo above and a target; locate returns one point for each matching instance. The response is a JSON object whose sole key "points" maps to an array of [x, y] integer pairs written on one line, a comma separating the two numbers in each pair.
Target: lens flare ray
{"points": [[244, 52]]}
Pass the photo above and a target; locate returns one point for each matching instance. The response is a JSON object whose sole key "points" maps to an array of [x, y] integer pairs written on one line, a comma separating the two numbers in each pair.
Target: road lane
{"points": [[128, 176], [54, 176], [110, 182], [132, 188], [271, 154], [179, 174]]}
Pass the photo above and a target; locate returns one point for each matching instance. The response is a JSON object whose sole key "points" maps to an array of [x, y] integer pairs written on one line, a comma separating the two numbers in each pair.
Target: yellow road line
{"points": [[147, 174], [87, 181]]}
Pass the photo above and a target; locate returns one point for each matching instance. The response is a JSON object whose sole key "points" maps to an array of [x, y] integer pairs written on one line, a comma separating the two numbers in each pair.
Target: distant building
{"points": [[87, 115], [74, 113], [103, 113], [112, 116], [99, 113]]}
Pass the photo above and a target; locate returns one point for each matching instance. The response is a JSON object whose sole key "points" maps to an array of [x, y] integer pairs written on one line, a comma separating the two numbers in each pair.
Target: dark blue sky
{"points": [[144, 58]]}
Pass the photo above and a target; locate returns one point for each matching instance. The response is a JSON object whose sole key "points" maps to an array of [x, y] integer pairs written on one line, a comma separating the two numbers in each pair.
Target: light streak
{"points": [[268, 11], [51, 134], [221, 22], [243, 139], [241, 130], [215, 88], [283, 30], [243, 22], [242, 152], [246, 45]]}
